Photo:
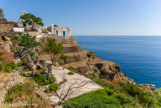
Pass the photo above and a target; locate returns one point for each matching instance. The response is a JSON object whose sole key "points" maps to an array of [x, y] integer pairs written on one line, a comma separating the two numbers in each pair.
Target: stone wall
{"points": [[32, 33], [64, 40], [7, 83], [72, 48]]}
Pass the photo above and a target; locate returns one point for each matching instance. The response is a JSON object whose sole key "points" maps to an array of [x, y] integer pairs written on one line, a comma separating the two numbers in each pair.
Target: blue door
{"points": [[56, 32], [63, 33]]}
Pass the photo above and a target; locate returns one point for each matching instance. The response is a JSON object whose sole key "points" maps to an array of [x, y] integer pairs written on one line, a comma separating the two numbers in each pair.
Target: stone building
{"points": [[59, 30]]}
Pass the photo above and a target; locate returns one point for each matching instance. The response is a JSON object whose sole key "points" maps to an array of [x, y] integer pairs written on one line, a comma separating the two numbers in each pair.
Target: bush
{"points": [[23, 73], [7, 68], [42, 70], [103, 72], [70, 73], [21, 63], [51, 79], [109, 91], [94, 99], [135, 91], [53, 87], [89, 54], [41, 80], [12, 65], [124, 98]]}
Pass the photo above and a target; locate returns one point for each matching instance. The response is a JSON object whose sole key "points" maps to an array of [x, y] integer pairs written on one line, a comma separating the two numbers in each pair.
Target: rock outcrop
{"points": [[7, 82], [151, 87], [87, 63], [6, 26]]}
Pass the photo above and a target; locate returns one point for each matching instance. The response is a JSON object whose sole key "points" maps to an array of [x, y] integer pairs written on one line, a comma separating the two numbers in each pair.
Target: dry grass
{"points": [[44, 57], [6, 56]]}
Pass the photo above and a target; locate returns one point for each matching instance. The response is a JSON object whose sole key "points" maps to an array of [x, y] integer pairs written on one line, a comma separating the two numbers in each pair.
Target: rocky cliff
{"points": [[87, 63]]}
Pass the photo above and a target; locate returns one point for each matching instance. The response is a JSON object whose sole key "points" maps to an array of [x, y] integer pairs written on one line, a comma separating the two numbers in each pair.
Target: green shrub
{"points": [[89, 54], [23, 73], [7, 68], [124, 98], [53, 87], [70, 73], [42, 70], [135, 91], [109, 91], [41, 80], [94, 99], [12, 64], [21, 63], [61, 63], [29, 74], [51, 79], [103, 72], [71, 68]]}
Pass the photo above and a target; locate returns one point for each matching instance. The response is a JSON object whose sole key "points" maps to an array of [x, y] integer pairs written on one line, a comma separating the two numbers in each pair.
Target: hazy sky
{"points": [[93, 17]]}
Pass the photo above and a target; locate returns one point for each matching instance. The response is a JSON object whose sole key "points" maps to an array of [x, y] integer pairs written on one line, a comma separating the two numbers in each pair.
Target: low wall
{"points": [[64, 40], [72, 48]]}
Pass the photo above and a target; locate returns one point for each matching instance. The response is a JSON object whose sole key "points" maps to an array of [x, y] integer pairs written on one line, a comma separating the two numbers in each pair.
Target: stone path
{"points": [[77, 84]]}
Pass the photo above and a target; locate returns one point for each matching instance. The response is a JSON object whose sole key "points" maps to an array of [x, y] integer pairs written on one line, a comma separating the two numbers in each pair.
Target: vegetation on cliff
{"points": [[25, 94], [116, 95]]}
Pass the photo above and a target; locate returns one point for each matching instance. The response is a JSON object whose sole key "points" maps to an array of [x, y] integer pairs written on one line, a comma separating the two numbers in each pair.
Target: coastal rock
{"points": [[151, 87]]}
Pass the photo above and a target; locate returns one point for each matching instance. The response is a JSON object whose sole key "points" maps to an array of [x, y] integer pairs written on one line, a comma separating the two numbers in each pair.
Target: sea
{"points": [[138, 56]]}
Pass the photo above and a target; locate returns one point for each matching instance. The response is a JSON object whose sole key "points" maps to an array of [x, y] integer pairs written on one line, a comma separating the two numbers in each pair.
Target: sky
{"points": [[93, 17]]}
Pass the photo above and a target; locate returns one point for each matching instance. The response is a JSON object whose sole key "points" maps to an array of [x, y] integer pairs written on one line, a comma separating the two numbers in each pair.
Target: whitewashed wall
{"points": [[16, 29]]}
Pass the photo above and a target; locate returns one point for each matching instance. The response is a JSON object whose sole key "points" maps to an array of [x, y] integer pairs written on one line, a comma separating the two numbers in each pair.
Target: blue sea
{"points": [[138, 56]]}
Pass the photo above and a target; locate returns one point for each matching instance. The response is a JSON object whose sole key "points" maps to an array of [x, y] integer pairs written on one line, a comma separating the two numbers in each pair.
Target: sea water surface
{"points": [[138, 56]]}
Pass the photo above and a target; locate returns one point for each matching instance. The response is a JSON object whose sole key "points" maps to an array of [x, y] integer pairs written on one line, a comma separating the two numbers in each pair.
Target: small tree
{"points": [[64, 59], [31, 19], [24, 44], [1, 13], [51, 47]]}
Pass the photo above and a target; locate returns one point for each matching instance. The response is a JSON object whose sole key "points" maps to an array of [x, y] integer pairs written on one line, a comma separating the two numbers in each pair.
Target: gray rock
{"points": [[151, 87]]}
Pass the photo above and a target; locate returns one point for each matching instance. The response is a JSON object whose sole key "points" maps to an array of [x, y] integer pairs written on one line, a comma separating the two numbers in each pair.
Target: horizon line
{"points": [[115, 35]]}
